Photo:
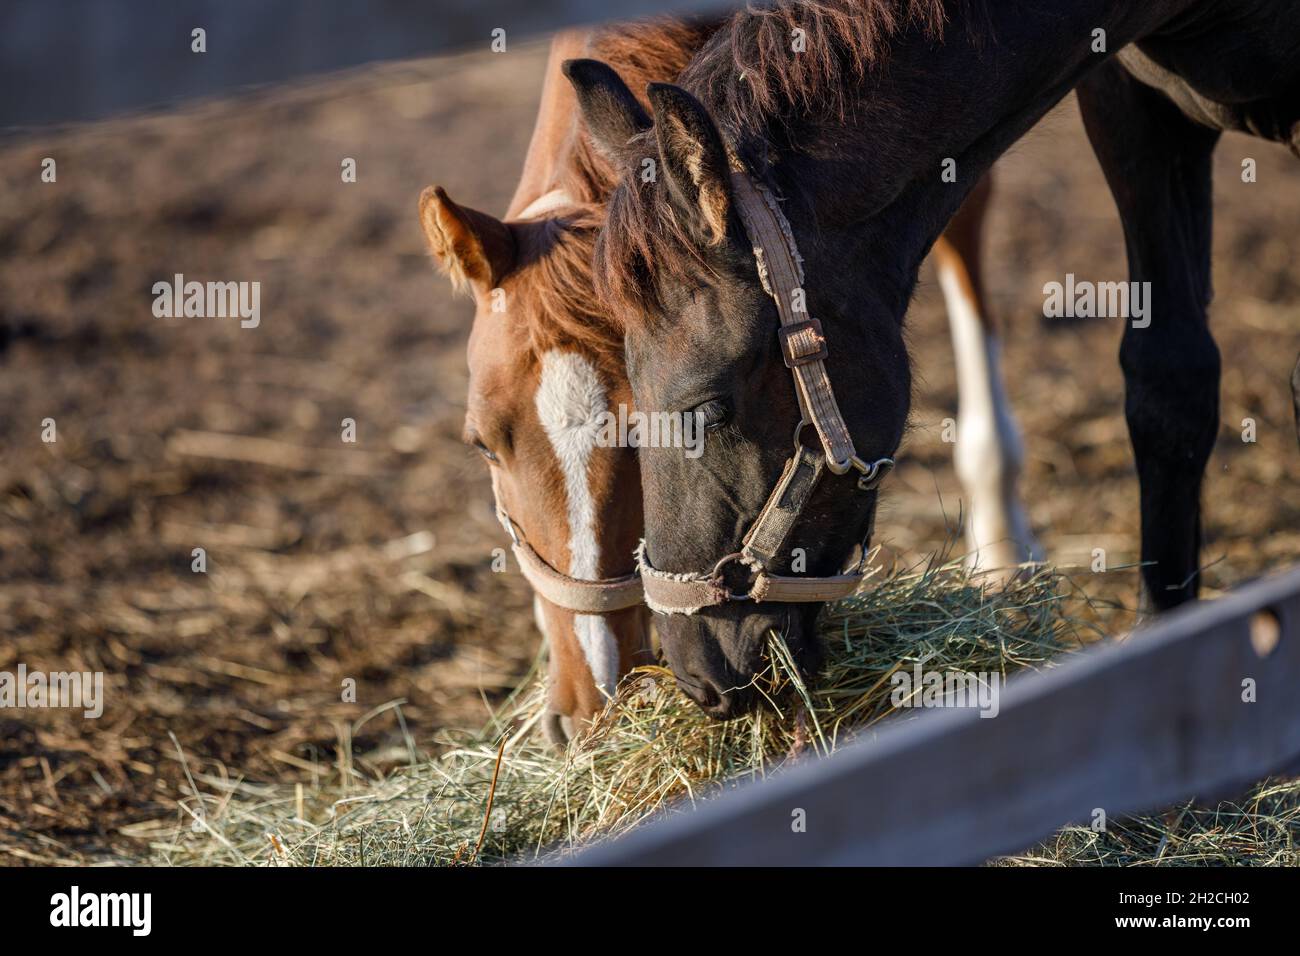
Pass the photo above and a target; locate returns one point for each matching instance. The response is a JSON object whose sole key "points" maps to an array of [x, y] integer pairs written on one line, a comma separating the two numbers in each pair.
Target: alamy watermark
{"points": [[633, 429], [1081, 299], [931, 688], [37, 689], [75, 908], [208, 300]]}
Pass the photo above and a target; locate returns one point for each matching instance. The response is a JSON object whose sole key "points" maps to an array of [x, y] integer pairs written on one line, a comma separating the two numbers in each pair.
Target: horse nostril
{"points": [[701, 690], [730, 704], [721, 710], [718, 704]]}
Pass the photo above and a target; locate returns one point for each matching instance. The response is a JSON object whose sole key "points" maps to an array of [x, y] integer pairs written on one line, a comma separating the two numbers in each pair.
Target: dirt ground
{"points": [[329, 561]]}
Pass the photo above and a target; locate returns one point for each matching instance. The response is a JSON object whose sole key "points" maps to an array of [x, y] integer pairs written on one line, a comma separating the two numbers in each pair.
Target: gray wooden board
{"points": [[1127, 726]]}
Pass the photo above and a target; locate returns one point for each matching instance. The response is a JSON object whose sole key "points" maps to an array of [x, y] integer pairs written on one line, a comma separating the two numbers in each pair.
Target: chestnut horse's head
{"points": [[676, 263], [544, 368]]}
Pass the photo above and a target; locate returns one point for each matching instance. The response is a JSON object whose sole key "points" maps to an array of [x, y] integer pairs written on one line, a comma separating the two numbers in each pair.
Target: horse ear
{"points": [[694, 160], [612, 113], [470, 246]]}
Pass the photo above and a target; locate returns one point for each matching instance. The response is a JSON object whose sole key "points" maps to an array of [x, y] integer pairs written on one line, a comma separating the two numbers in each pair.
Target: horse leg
{"points": [[1157, 163], [989, 454], [1295, 396]]}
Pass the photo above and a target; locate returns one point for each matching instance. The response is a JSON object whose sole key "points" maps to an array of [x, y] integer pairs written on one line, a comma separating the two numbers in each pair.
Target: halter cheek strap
{"points": [[805, 350]]}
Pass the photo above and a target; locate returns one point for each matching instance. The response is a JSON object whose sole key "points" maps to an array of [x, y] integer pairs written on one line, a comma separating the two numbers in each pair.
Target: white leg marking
{"points": [[989, 451], [570, 398]]}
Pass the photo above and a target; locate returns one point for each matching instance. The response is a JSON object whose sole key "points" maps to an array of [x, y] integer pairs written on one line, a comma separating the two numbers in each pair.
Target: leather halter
{"points": [[573, 594], [804, 347]]}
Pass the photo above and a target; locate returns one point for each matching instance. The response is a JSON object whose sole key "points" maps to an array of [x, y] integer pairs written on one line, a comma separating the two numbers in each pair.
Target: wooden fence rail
{"points": [[1195, 705]]}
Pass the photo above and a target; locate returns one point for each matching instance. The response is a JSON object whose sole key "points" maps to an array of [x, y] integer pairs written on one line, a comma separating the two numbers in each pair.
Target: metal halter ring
{"points": [[798, 430], [873, 474], [716, 575]]}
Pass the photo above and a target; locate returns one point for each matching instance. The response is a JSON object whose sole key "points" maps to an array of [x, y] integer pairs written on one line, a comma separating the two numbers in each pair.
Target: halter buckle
{"points": [[803, 343]]}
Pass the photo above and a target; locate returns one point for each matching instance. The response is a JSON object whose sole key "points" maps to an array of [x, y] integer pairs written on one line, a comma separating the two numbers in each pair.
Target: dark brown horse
{"points": [[851, 111]]}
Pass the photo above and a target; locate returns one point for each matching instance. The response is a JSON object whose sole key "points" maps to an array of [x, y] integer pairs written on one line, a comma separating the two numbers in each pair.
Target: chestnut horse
{"points": [[800, 192], [545, 358]]}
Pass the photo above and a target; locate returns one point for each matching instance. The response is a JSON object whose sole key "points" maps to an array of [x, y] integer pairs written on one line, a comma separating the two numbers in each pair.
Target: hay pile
{"points": [[502, 795], [1263, 829]]}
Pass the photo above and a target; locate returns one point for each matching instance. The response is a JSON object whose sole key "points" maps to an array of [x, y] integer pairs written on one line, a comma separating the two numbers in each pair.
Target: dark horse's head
{"points": [[679, 270]]}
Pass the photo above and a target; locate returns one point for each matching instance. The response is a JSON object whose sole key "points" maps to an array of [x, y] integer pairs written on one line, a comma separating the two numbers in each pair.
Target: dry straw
{"points": [[502, 795]]}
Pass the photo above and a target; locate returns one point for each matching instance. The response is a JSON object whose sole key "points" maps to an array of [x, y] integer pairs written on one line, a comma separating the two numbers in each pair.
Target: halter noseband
{"points": [[803, 345], [573, 594]]}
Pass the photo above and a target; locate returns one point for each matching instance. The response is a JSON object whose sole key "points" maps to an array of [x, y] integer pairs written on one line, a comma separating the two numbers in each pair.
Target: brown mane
{"points": [[753, 81], [560, 287]]}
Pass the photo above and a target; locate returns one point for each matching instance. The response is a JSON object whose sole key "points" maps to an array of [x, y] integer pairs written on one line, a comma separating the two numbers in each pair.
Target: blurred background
{"points": [[372, 561]]}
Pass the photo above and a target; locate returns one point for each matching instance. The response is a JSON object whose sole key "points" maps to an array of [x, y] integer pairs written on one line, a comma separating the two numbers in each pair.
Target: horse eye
{"points": [[712, 414], [485, 451]]}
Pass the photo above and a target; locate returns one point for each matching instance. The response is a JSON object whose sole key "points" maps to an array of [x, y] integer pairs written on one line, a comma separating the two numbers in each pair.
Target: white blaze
{"points": [[570, 399]]}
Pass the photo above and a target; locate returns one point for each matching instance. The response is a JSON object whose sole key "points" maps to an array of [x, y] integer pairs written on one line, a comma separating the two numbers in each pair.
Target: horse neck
{"points": [[561, 159], [554, 132], [873, 175]]}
